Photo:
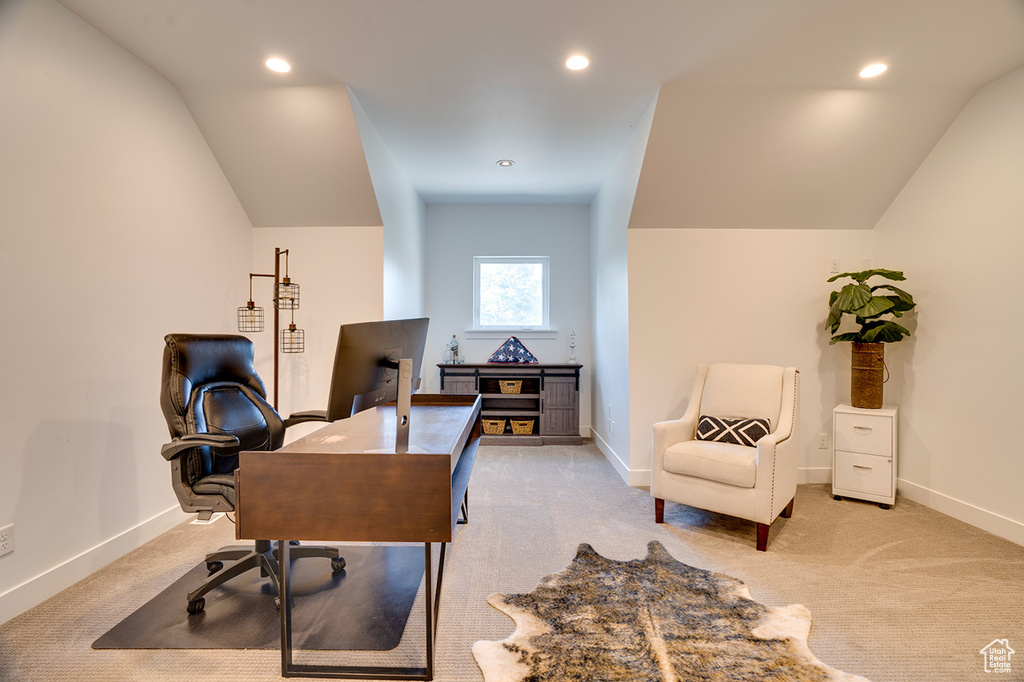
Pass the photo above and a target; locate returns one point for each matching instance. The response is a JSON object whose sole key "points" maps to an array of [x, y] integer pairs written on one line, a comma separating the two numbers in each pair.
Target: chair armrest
{"points": [[194, 440], [307, 416], [669, 433]]}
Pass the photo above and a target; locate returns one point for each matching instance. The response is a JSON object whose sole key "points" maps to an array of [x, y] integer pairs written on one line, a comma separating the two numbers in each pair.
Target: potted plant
{"points": [[868, 304]]}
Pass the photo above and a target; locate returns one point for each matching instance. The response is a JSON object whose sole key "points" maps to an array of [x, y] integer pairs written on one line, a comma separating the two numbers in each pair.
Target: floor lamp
{"points": [[286, 297]]}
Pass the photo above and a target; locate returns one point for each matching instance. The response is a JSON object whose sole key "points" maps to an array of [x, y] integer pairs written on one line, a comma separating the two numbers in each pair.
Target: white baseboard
{"points": [[22, 597], [620, 467], [814, 475], [989, 521]]}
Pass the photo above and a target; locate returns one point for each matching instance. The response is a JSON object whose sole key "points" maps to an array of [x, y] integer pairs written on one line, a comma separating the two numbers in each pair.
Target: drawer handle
{"points": [[860, 466], [862, 428]]}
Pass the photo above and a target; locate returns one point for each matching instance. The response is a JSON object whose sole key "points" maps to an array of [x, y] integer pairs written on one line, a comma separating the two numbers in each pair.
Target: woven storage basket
{"points": [[509, 386], [493, 427], [522, 427]]}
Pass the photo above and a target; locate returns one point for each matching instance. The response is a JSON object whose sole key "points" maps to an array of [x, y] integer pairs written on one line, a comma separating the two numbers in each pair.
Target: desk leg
{"points": [[284, 569], [429, 606], [432, 603]]}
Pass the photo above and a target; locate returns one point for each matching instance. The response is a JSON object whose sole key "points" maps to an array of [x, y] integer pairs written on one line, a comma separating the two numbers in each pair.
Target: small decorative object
{"points": [[513, 352], [451, 352], [572, 346], [867, 307]]}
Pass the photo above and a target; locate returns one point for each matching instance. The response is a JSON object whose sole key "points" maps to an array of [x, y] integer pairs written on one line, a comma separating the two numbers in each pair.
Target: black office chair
{"points": [[215, 406]]}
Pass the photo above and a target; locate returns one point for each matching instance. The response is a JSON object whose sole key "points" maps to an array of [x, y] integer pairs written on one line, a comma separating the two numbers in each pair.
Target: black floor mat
{"points": [[364, 607]]}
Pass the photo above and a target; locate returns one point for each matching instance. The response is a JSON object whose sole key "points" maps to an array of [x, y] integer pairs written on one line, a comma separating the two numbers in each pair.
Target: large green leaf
{"points": [[876, 305], [853, 297], [847, 336], [884, 331], [905, 298], [835, 316], [863, 275]]}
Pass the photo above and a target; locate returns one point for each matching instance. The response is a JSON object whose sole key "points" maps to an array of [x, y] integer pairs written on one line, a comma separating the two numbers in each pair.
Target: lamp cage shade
{"points": [[287, 296], [293, 340], [250, 318]]}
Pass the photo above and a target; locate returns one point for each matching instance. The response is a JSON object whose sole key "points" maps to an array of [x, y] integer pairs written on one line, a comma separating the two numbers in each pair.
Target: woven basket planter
{"points": [[867, 375]]}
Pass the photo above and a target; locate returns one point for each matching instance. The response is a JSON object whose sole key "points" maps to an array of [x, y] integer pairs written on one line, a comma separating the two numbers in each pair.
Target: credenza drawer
{"points": [[866, 433], [871, 474]]}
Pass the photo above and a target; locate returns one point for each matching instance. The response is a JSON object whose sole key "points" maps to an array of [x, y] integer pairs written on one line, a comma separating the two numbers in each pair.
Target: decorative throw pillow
{"points": [[737, 431]]}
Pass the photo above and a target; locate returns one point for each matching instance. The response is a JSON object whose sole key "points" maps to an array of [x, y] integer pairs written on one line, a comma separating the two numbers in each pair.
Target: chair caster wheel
{"points": [[196, 606], [214, 566], [277, 603], [337, 564]]}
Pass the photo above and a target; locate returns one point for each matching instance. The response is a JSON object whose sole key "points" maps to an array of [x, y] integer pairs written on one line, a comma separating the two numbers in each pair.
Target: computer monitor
{"points": [[366, 363]]}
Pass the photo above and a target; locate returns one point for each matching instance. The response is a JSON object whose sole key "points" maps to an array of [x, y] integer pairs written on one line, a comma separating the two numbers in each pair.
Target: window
{"points": [[510, 292]]}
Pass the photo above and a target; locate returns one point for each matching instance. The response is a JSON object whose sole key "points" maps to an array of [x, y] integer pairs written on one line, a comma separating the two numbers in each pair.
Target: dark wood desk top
{"points": [[438, 424]]}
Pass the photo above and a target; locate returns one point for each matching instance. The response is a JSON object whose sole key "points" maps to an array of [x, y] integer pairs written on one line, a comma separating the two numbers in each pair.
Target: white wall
{"points": [[609, 294], [956, 229], [117, 226], [457, 233], [340, 278], [403, 214], [747, 296]]}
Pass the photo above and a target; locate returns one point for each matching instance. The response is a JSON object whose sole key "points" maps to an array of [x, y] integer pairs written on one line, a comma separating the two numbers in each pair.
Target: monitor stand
{"points": [[404, 405]]}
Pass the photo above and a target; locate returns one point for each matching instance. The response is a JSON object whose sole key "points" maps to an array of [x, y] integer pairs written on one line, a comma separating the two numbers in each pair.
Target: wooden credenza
{"points": [[549, 395]]}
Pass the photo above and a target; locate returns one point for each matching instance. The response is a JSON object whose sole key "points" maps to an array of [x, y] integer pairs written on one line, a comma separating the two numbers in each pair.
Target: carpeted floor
{"points": [[903, 594]]}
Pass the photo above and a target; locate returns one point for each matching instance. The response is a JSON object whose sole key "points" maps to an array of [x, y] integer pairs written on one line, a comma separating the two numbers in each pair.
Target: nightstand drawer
{"points": [[871, 474], [863, 433]]}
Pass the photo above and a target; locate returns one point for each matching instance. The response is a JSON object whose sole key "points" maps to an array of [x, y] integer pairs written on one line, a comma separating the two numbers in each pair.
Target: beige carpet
{"points": [[903, 594]]}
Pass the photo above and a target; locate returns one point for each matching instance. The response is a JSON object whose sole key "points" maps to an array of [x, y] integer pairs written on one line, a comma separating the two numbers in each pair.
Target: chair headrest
{"points": [[191, 360]]}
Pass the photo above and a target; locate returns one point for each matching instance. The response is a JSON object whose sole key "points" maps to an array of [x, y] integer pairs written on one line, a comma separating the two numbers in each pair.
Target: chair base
{"points": [[762, 528], [261, 555]]}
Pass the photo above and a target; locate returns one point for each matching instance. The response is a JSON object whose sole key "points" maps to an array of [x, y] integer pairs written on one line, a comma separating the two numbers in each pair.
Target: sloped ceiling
{"points": [[761, 120], [757, 140], [292, 154]]}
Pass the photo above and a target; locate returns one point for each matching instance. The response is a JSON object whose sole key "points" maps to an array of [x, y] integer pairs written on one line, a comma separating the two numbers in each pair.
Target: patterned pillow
{"points": [[737, 431]]}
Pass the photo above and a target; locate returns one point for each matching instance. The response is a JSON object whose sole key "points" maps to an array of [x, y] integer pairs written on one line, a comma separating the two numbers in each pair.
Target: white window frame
{"points": [[545, 264]]}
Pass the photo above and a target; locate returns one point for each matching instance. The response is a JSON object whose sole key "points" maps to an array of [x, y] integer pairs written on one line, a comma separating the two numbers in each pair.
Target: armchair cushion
{"points": [[736, 431], [734, 465]]}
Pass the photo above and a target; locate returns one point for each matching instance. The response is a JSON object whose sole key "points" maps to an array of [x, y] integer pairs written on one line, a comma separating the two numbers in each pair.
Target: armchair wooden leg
{"points": [[659, 510], [788, 511], [762, 536]]}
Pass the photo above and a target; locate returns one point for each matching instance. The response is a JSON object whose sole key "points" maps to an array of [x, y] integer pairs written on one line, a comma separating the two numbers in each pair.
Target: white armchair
{"points": [[755, 483]]}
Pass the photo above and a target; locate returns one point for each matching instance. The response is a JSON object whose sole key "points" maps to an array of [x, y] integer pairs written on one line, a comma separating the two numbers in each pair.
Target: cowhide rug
{"points": [[650, 619]]}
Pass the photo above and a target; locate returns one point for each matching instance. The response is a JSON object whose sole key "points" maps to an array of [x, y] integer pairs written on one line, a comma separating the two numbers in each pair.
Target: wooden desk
{"points": [[345, 483]]}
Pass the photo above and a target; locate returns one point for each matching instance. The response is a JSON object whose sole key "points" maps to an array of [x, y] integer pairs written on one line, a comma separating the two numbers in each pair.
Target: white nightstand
{"points": [[864, 454]]}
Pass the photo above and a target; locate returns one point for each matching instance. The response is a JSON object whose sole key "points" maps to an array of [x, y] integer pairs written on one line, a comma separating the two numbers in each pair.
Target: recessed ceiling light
{"points": [[505, 163], [279, 65], [577, 62], [873, 70]]}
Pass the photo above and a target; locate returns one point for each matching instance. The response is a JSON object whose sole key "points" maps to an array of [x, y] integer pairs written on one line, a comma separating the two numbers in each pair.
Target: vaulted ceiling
{"points": [[761, 119]]}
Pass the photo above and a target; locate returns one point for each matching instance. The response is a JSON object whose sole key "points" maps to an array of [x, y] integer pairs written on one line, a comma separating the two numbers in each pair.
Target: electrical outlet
{"points": [[7, 539], [613, 427], [834, 265], [823, 441]]}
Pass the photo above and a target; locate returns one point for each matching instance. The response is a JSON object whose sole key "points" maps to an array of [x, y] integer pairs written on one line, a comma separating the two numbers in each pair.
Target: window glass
{"points": [[510, 293]]}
